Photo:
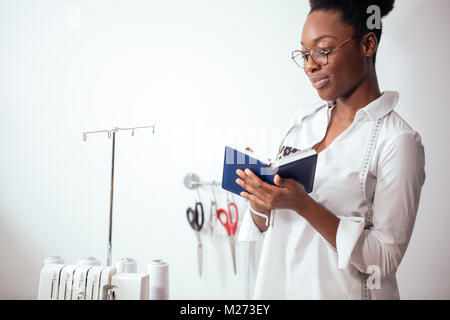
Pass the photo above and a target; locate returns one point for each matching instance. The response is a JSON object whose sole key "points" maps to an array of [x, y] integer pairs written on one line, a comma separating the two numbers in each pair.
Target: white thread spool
{"points": [[130, 265], [120, 266], [54, 260], [89, 261], [159, 280]]}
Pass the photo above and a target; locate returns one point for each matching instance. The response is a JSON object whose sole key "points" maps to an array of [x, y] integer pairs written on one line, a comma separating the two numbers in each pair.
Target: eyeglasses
{"points": [[319, 56]]}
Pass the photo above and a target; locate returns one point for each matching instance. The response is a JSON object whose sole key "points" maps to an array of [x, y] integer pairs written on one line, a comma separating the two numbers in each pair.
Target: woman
{"points": [[346, 239]]}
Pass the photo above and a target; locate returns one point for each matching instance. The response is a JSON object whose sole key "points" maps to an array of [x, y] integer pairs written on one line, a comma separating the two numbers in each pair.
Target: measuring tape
{"points": [[365, 293]]}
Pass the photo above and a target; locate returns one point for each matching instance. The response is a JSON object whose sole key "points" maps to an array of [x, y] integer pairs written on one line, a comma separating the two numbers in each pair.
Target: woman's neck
{"points": [[361, 96]]}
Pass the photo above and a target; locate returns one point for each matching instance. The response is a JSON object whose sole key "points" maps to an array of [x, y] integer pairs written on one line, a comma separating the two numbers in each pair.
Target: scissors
{"points": [[212, 217], [213, 213], [196, 218], [229, 220]]}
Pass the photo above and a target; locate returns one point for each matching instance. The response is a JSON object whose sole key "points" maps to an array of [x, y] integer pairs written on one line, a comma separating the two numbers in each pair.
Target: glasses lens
{"points": [[319, 56], [299, 58]]}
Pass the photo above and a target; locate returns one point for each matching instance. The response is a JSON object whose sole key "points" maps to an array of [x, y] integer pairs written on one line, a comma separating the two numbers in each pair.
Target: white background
{"points": [[206, 74]]}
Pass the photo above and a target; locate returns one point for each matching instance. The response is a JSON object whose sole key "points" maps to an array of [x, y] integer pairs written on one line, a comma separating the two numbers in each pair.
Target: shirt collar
{"points": [[381, 106], [375, 110]]}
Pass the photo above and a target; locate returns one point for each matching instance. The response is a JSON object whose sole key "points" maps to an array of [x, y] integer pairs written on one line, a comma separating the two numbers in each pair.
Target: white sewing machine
{"points": [[74, 282], [59, 281]]}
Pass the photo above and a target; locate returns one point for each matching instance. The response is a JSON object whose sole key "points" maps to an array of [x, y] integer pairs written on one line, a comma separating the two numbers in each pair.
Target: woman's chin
{"points": [[326, 95]]}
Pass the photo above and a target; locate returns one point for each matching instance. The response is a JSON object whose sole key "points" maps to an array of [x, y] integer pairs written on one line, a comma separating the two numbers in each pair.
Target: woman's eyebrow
{"points": [[321, 37]]}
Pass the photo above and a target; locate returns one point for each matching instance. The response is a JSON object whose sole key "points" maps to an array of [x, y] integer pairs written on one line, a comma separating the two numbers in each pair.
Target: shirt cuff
{"points": [[248, 231], [348, 234]]}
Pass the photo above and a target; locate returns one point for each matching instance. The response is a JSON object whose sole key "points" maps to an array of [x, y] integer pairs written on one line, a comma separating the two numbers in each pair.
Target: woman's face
{"points": [[347, 67]]}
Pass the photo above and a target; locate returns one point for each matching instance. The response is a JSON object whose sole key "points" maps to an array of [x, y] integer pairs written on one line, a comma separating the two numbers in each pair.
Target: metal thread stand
{"points": [[113, 132]]}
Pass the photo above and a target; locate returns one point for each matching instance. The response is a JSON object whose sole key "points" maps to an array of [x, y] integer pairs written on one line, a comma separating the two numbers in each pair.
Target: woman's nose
{"points": [[311, 66]]}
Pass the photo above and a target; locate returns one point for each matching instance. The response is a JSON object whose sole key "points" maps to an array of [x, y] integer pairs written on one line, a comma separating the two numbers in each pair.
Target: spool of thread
{"points": [[129, 265], [158, 280], [120, 266], [89, 261], [54, 260]]}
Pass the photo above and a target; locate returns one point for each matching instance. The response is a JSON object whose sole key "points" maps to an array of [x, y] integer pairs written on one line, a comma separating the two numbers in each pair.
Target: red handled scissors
{"points": [[229, 220]]}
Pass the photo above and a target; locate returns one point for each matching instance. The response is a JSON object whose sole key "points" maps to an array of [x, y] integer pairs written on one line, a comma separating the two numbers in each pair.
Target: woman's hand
{"points": [[253, 204], [286, 194]]}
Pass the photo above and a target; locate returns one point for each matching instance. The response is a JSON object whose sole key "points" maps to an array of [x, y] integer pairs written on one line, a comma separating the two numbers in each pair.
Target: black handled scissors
{"points": [[193, 216], [196, 217]]}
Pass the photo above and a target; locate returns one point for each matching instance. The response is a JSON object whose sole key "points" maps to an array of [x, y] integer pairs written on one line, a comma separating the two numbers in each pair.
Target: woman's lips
{"points": [[317, 84]]}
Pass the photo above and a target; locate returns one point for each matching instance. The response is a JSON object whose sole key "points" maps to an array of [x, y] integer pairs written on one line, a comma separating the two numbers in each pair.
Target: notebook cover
{"points": [[302, 170]]}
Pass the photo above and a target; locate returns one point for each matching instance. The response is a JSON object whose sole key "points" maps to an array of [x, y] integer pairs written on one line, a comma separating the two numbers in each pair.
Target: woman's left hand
{"points": [[286, 194]]}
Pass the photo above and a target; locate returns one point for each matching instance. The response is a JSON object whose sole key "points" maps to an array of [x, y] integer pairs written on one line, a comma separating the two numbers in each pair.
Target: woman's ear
{"points": [[369, 44]]}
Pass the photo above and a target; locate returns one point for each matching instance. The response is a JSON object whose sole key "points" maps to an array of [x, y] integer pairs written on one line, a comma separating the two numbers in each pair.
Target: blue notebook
{"points": [[300, 166]]}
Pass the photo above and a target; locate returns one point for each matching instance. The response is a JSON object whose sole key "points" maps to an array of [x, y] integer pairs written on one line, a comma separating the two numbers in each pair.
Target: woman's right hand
{"points": [[259, 221]]}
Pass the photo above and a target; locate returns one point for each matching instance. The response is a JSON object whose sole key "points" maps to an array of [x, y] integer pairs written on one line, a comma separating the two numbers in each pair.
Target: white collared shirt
{"points": [[296, 262]]}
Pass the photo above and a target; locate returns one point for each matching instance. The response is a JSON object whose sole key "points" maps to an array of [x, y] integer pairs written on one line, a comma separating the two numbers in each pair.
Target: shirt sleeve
{"points": [[400, 177], [248, 231]]}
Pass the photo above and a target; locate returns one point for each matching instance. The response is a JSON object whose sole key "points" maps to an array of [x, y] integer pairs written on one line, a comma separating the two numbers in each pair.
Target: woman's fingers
{"points": [[253, 198], [246, 185], [254, 185], [248, 180], [253, 178], [262, 193], [256, 182], [241, 173]]}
